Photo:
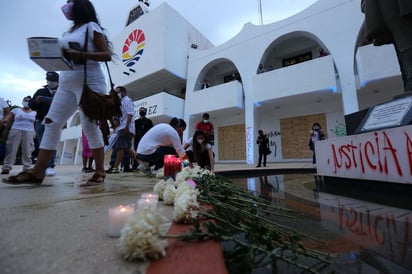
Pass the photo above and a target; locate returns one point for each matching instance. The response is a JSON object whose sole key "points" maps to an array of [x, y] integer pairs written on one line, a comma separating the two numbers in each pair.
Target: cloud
{"points": [[18, 86]]}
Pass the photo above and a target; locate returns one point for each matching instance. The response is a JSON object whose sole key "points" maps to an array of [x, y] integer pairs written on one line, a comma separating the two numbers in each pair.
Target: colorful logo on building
{"points": [[133, 47]]}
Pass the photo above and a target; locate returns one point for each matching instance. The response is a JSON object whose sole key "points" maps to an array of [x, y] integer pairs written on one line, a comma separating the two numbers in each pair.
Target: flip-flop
{"points": [[22, 178], [94, 181]]}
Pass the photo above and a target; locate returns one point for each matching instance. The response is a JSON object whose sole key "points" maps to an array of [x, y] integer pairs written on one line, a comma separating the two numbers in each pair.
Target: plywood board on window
{"points": [[296, 134], [232, 142]]}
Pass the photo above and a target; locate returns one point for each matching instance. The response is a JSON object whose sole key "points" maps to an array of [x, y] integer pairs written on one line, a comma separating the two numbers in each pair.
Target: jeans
{"points": [[39, 128], [157, 158]]}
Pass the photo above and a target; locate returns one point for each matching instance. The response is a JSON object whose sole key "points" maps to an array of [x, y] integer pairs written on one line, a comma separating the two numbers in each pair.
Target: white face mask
{"points": [[205, 121], [200, 141], [25, 104], [52, 85], [120, 95]]}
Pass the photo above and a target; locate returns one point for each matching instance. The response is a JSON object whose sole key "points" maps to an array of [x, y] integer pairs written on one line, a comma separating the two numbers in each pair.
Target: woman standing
{"points": [[263, 142], [316, 134], [66, 100], [21, 133]]}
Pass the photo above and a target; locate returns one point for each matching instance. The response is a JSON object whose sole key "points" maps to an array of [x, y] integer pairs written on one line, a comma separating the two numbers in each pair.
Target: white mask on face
{"points": [[120, 95], [52, 85], [205, 121], [200, 141], [25, 104]]}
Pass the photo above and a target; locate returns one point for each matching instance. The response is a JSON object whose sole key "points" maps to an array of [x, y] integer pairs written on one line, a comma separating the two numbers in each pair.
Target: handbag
{"points": [[95, 105], [268, 152]]}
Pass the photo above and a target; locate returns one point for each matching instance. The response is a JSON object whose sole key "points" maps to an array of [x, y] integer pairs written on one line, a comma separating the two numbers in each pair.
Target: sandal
{"points": [[22, 178], [94, 181]]}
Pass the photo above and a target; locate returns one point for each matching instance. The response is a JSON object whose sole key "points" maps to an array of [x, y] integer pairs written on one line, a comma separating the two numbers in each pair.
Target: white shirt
{"points": [[3, 105], [190, 143], [23, 120], [127, 108], [160, 135]]}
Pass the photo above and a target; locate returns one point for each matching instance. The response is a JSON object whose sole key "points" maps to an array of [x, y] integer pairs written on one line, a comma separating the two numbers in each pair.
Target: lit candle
{"points": [[169, 162], [149, 196], [117, 219], [147, 203]]}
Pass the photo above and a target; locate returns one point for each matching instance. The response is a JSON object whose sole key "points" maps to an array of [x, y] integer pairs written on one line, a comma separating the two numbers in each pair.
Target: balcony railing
{"points": [[226, 96], [376, 63], [310, 76]]}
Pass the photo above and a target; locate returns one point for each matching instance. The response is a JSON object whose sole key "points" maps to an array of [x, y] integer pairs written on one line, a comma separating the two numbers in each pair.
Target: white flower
{"points": [[169, 194], [159, 187], [183, 175], [185, 204], [140, 239], [160, 174]]}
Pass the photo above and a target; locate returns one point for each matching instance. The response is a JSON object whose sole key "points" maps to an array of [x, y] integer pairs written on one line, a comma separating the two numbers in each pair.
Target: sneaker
{"points": [[5, 171], [144, 166], [87, 170], [127, 169], [113, 170], [50, 172]]}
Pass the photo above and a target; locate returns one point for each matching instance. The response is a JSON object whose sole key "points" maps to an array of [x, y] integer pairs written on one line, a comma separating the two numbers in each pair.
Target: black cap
{"points": [[52, 76]]}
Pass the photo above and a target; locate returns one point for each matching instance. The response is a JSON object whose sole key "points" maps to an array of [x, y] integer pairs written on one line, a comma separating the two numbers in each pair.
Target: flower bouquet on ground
{"points": [[221, 211]]}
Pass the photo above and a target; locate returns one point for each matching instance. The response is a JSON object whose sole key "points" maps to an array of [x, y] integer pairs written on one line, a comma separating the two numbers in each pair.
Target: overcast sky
{"points": [[218, 20]]}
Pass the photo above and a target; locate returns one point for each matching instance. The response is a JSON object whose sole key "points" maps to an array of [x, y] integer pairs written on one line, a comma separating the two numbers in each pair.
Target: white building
{"points": [[162, 59]]}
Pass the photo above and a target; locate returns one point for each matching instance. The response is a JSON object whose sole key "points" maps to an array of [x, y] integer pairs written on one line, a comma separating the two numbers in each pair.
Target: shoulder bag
{"points": [[95, 105]]}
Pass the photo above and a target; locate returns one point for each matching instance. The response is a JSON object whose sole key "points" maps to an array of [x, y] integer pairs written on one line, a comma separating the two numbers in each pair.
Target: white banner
{"points": [[383, 155]]}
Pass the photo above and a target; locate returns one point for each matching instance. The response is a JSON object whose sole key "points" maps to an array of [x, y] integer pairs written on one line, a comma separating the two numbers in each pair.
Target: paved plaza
{"points": [[60, 227]]}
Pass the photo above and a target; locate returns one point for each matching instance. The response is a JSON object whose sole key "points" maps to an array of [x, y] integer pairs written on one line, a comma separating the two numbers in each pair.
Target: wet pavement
{"points": [[364, 235], [60, 227]]}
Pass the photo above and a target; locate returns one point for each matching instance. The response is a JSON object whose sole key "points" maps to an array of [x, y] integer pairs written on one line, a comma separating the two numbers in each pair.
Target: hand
{"points": [[74, 55]]}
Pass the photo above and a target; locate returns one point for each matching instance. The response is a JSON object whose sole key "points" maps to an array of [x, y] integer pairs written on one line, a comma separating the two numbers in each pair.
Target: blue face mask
{"points": [[67, 10]]}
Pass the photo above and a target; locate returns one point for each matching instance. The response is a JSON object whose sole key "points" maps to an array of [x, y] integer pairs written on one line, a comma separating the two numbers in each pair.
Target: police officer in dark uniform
{"points": [[41, 104]]}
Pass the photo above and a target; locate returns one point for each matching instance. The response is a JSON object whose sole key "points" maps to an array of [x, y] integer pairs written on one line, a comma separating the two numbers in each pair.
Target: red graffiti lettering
{"points": [[380, 240], [379, 154], [378, 151], [361, 160], [351, 224], [389, 147], [409, 152], [368, 160]]}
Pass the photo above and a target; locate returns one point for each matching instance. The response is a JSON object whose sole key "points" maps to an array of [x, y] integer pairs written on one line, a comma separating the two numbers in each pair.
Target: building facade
{"points": [[162, 58]]}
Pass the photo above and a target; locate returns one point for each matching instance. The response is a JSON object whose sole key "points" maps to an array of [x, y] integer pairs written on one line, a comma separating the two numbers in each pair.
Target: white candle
{"points": [[147, 203], [117, 219], [149, 196]]}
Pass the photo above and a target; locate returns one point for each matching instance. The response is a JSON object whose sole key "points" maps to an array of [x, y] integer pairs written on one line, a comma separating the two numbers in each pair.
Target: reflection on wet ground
{"points": [[364, 230]]}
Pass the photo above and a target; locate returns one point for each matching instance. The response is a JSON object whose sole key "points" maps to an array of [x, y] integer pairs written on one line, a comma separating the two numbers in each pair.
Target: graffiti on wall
{"points": [[339, 129], [273, 137], [249, 145], [379, 155]]}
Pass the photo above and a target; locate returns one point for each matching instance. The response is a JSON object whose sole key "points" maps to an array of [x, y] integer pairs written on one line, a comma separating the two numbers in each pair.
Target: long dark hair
{"points": [[84, 12], [197, 148]]}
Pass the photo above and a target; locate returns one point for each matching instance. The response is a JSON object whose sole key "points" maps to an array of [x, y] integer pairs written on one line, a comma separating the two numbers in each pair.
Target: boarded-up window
{"points": [[296, 134], [232, 143]]}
